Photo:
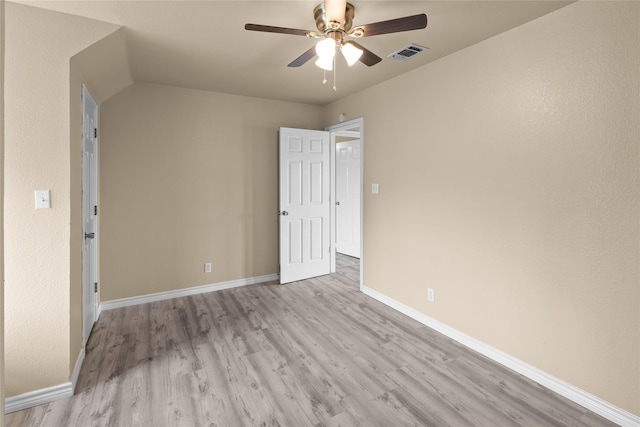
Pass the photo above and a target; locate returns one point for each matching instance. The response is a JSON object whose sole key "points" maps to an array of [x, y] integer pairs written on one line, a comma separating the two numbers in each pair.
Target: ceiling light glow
{"points": [[325, 63], [326, 48]]}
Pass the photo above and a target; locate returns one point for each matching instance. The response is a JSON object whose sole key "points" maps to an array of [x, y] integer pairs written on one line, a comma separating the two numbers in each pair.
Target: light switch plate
{"points": [[43, 199], [375, 188]]}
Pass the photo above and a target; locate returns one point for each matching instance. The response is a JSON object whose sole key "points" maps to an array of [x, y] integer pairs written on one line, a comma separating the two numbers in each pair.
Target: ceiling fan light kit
{"points": [[325, 63], [334, 20], [350, 53], [326, 51], [326, 48]]}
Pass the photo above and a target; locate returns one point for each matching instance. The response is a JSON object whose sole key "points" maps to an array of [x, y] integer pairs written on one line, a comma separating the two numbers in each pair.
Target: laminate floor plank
{"points": [[256, 402], [343, 260], [350, 272], [293, 379], [376, 411], [133, 392], [444, 399], [227, 409], [346, 337], [299, 404], [325, 347], [325, 394], [311, 353]]}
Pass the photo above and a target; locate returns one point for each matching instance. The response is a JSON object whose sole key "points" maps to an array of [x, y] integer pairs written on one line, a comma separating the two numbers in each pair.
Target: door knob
{"points": [[337, 203], [285, 213], [89, 235]]}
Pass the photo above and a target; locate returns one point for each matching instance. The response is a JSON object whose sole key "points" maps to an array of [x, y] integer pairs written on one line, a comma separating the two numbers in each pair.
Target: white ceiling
{"points": [[203, 44]]}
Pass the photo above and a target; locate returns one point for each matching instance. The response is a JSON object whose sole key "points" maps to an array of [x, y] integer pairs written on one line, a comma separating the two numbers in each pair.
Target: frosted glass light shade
{"points": [[325, 63], [326, 48], [351, 53]]}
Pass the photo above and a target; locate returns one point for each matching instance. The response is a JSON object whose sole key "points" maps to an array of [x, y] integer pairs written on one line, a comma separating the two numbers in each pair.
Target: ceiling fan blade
{"points": [[368, 58], [302, 59], [280, 30], [408, 23]]}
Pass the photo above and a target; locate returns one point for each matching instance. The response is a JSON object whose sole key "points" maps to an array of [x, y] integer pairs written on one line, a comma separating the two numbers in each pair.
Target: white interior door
{"points": [[304, 159], [89, 211], [348, 198]]}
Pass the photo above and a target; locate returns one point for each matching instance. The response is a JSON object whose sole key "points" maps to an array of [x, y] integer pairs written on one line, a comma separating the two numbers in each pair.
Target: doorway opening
{"points": [[320, 209], [347, 213]]}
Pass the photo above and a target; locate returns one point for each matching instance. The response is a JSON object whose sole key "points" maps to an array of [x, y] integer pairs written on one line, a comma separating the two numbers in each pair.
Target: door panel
{"points": [[295, 183], [304, 204], [295, 241]]}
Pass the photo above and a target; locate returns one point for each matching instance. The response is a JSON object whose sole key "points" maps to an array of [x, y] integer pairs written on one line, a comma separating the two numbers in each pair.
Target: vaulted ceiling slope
{"points": [[203, 45]]}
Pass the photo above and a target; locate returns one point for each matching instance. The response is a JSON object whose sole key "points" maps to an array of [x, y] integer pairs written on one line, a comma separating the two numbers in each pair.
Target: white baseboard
{"points": [[126, 302], [76, 369], [45, 395], [581, 397], [37, 397]]}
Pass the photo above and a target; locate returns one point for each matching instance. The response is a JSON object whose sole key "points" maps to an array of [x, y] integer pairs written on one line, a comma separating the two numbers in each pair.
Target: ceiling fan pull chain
{"points": [[324, 77], [334, 73]]}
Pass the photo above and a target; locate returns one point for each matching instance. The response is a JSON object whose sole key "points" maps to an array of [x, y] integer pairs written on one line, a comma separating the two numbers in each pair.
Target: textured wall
{"points": [[103, 67], [189, 177], [39, 250], [509, 183]]}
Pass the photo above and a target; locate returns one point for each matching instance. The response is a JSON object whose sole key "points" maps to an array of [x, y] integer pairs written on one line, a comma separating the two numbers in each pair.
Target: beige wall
{"points": [[41, 248], [509, 183], [103, 67], [189, 177]]}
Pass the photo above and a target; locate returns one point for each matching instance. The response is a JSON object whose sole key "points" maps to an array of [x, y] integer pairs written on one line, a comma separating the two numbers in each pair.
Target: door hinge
{"points": [[95, 132], [95, 287], [95, 209]]}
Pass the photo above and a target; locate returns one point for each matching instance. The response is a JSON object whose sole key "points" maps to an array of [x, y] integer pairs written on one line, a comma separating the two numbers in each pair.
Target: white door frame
{"points": [[353, 127], [89, 294]]}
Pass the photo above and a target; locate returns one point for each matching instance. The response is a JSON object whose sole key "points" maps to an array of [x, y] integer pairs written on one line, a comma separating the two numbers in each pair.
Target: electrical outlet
{"points": [[431, 295], [207, 267]]}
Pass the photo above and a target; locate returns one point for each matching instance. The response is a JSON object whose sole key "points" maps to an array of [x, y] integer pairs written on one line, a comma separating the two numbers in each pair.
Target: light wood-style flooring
{"points": [[311, 353]]}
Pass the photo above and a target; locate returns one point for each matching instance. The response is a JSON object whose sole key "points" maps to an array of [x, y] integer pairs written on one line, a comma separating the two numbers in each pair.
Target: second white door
{"points": [[348, 198]]}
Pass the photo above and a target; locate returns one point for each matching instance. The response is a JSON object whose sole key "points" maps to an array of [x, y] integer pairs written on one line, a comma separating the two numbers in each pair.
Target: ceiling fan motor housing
{"points": [[320, 16]]}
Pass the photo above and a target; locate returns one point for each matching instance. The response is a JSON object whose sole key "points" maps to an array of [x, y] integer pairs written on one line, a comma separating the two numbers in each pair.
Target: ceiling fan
{"points": [[334, 20]]}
